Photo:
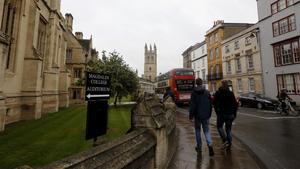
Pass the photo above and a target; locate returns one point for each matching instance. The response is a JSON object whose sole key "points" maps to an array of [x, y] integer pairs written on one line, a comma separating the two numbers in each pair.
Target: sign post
{"points": [[97, 93]]}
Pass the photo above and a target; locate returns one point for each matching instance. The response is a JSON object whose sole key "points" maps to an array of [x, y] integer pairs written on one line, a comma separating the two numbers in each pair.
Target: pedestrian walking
{"points": [[226, 106], [283, 97], [169, 93], [200, 110]]}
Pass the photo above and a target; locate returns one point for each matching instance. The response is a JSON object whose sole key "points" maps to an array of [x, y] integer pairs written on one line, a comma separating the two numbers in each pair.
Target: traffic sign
{"points": [[97, 86]]}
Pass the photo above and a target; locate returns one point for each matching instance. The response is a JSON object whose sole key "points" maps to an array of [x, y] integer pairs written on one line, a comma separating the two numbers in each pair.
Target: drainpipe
{"points": [[255, 34]]}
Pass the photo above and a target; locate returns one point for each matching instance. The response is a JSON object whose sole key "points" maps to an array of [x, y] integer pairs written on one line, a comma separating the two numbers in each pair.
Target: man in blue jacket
{"points": [[200, 111]]}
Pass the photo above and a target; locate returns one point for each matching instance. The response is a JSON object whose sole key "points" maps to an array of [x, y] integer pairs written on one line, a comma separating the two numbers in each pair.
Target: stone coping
{"points": [[125, 150]]}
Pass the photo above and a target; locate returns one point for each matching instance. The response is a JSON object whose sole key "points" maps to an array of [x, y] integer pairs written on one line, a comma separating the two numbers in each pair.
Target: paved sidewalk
{"points": [[187, 158]]}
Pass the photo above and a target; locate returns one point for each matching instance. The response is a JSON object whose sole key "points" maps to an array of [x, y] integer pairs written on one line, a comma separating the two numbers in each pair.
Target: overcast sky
{"points": [[173, 25]]}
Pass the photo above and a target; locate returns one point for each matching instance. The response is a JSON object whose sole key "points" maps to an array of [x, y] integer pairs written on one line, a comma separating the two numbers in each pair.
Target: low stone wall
{"points": [[135, 150], [31, 107], [63, 99], [13, 109], [159, 118], [50, 103], [2, 113], [151, 143]]}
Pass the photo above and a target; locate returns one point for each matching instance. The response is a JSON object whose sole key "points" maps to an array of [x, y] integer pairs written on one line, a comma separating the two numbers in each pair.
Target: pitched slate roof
{"points": [[85, 43]]}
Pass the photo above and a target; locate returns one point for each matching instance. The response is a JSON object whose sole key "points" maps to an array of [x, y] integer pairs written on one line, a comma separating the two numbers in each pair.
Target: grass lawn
{"points": [[124, 99], [55, 136]]}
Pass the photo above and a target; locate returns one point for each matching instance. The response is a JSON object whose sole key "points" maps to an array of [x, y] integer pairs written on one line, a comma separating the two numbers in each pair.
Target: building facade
{"points": [[79, 52], [187, 59], [280, 37], [146, 86], [214, 38], [150, 65], [199, 61], [33, 76], [242, 62]]}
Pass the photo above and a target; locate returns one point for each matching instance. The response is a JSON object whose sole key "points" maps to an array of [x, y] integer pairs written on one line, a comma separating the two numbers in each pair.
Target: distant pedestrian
{"points": [[283, 97], [169, 93], [200, 110], [226, 106]]}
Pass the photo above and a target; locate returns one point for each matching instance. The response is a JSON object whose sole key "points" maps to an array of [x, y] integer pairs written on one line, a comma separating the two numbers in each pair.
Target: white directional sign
{"points": [[97, 86], [96, 95]]}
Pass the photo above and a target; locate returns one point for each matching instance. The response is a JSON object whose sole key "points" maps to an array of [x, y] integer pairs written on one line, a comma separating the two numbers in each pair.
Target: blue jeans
{"points": [[205, 128], [228, 125]]}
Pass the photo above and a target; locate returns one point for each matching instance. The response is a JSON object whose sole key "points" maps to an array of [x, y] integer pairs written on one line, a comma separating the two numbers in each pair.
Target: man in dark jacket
{"points": [[169, 93], [200, 111], [226, 107]]}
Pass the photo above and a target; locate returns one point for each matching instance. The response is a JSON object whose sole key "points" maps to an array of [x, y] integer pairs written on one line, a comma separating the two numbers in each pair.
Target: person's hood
{"points": [[199, 89], [224, 90]]}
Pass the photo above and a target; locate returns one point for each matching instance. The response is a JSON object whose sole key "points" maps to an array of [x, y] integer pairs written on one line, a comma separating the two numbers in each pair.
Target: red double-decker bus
{"points": [[180, 80]]}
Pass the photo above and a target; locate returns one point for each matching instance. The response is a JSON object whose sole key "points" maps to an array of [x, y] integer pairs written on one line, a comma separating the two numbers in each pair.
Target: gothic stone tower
{"points": [[150, 65]]}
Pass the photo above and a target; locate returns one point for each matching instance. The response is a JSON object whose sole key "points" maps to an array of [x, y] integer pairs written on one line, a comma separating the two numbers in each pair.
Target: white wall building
{"points": [[279, 26], [146, 86], [199, 61]]}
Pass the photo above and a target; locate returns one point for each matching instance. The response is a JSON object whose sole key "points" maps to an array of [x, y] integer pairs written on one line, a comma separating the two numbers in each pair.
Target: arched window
{"points": [[229, 82], [7, 17], [150, 68], [41, 44], [211, 72], [8, 27], [218, 71]]}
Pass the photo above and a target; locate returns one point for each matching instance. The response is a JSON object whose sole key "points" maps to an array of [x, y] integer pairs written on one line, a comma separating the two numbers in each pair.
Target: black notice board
{"points": [[96, 123]]}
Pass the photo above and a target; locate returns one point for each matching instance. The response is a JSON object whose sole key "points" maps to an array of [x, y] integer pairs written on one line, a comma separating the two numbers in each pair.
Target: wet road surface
{"points": [[187, 158], [275, 139]]}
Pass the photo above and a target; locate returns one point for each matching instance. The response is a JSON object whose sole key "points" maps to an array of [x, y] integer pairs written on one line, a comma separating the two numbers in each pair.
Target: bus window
{"points": [[184, 73]]}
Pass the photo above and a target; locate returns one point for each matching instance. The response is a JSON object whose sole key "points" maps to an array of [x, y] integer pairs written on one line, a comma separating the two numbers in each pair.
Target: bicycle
{"points": [[288, 109]]}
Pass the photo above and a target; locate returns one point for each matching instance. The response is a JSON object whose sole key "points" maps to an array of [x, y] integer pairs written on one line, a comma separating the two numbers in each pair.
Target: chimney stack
{"points": [[79, 35], [217, 22], [69, 21]]}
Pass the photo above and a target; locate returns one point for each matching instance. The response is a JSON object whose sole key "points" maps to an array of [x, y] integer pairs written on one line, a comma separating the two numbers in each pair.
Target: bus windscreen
{"points": [[185, 85]]}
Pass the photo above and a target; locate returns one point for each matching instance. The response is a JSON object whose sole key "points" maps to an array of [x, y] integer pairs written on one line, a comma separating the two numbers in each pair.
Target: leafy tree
{"points": [[124, 80]]}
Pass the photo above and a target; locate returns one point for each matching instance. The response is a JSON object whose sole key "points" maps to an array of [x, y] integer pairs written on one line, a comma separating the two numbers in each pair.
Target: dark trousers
{"points": [[283, 106], [228, 124], [205, 127]]}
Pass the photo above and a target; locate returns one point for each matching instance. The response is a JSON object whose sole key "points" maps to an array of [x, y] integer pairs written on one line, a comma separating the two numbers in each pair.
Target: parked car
{"points": [[257, 100]]}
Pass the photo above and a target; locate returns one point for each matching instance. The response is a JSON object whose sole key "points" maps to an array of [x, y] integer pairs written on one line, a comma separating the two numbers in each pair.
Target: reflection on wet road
{"points": [[272, 137], [187, 158]]}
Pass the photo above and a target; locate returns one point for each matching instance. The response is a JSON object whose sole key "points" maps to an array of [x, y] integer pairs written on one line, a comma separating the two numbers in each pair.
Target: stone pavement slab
{"points": [[187, 158]]}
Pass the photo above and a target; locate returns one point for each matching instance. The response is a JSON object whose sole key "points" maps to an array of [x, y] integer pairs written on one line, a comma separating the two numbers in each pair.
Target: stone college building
{"points": [[34, 41]]}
